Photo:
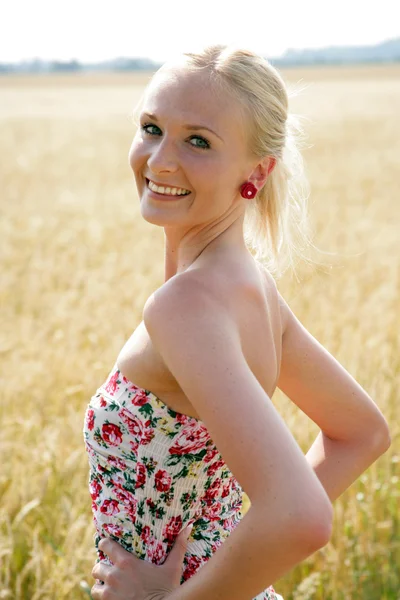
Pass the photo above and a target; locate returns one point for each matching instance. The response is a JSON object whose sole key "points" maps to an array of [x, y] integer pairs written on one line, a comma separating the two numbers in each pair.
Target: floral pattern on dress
{"points": [[152, 472]]}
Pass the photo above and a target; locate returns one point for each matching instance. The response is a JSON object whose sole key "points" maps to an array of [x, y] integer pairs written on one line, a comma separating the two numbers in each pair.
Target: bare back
{"points": [[250, 293]]}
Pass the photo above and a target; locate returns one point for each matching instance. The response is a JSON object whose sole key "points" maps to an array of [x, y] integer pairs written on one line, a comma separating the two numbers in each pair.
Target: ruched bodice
{"points": [[153, 471]]}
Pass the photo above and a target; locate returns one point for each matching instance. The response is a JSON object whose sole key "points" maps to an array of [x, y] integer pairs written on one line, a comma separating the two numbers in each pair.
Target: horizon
{"points": [[136, 57], [130, 34]]}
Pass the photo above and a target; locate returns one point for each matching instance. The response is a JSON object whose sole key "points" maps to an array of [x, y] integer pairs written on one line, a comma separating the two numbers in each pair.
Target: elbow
{"points": [[385, 439], [306, 535], [384, 444], [321, 532], [314, 536], [376, 441], [313, 529], [380, 440]]}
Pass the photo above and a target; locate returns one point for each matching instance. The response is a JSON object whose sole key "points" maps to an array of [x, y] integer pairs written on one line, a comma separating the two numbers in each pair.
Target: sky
{"points": [[91, 31]]}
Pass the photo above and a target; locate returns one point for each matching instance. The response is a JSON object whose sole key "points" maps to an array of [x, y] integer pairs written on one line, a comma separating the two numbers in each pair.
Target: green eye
{"points": [[144, 128], [198, 137]]}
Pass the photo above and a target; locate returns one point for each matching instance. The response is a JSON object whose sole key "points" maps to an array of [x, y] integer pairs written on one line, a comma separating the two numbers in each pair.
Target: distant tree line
{"points": [[385, 52], [38, 65]]}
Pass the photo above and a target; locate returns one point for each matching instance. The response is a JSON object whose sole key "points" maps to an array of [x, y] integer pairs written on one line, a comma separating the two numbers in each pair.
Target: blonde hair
{"points": [[276, 226]]}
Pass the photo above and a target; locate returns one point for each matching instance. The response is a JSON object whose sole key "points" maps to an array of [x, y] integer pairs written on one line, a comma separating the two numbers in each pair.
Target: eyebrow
{"points": [[192, 127]]}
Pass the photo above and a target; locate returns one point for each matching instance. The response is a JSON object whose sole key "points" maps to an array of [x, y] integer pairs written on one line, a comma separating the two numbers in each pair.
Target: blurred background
{"points": [[78, 261]]}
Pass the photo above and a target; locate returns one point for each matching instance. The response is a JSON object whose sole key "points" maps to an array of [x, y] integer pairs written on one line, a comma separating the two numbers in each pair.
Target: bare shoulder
{"points": [[199, 341], [221, 287], [191, 301], [196, 286]]}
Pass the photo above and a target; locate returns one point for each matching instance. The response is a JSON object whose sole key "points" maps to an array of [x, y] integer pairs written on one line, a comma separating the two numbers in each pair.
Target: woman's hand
{"points": [[131, 578]]}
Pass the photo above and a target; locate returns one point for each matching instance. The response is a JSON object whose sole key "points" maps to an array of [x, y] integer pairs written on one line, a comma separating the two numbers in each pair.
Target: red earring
{"points": [[248, 190]]}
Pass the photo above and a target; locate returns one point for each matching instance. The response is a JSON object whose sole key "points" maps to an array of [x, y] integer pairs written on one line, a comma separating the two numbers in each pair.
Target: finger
{"points": [[101, 571], [112, 549], [178, 550], [115, 552], [97, 591]]}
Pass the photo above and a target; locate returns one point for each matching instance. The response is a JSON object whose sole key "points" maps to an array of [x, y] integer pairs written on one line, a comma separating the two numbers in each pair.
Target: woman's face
{"points": [[167, 149]]}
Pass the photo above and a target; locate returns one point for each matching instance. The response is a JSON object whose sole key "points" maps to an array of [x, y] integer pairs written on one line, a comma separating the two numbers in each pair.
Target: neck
{"points": [[178, 257]]}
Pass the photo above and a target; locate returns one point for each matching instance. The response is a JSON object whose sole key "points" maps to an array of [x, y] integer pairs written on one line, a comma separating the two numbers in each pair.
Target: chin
{"points": [[156, 216]]}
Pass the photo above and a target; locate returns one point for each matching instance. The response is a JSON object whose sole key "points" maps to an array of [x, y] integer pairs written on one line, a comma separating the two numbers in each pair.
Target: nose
{"points": [[162, 157]]}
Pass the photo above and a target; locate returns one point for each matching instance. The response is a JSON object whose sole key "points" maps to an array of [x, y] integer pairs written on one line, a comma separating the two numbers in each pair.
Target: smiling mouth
{"points": [[165, 187]]}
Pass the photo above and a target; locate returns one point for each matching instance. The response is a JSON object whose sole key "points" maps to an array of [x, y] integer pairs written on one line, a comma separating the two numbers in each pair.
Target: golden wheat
{"points": [[78, 263]]}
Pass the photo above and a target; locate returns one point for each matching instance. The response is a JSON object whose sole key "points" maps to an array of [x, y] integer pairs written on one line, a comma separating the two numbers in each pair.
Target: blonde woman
{"points": [[184, 422]]}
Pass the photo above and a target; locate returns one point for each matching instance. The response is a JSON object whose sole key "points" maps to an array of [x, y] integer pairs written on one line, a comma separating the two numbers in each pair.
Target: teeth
{"points": [[168, 190]]}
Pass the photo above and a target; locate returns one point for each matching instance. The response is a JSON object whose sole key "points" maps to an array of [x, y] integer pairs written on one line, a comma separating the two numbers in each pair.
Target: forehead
{"points": [[179, 95]]}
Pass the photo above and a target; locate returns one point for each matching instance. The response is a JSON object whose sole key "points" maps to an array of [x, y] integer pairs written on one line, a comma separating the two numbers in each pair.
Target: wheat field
{"points": [[78, 262]]}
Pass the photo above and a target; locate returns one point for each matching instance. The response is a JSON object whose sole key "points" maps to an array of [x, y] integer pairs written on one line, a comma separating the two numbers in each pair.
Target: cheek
{"points": [[136, 154]]}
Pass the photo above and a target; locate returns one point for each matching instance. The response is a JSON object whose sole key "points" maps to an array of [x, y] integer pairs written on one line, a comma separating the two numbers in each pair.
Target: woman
{"points": [[214, 144]]}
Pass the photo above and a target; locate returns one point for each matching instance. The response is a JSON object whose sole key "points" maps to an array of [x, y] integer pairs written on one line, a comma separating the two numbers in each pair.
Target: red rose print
{"points": [[155, 550], [102, 556], [109, 507], [162, 481], [211, 452], [212, 492], [172, 529], [90, 419], [116, 479], [142, 488], [193, 565], [147, 434], [192, 438], [230, 524], [140, 398], [225, 491], [112, 384], [112, 529], [134, 425], [129, 502], [134, 444], [145, 535], [182, 419], [95, 489], [101, 469], [214, 511], [140, 475], [125, 497], [111, 434], [115, 461], [212, 469]]}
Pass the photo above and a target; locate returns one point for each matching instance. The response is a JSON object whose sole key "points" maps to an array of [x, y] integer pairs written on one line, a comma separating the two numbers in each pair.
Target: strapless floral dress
{"points": [[153, 471]]}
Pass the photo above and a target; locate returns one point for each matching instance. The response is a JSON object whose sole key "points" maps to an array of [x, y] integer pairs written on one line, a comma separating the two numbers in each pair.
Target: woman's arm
{"points": [[354, 432], [259, 551], [274, 551], [290, 515], [338, 463], [244, 566]]}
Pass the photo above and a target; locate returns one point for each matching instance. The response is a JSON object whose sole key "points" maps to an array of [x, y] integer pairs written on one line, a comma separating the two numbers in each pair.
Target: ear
{"points": [[262, 170]]}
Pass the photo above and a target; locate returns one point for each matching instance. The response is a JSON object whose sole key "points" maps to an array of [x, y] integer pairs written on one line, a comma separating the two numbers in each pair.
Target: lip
{"points": [[164, 196]]}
